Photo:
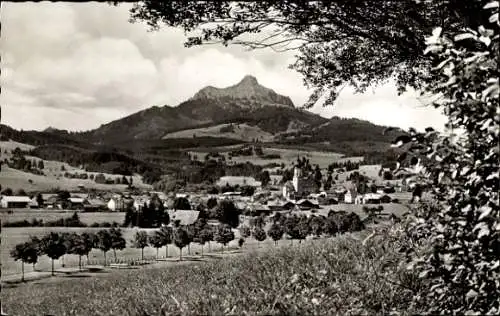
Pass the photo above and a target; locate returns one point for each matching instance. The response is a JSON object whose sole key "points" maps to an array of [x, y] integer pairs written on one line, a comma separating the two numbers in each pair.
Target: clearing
{"points": [[242, 131]]}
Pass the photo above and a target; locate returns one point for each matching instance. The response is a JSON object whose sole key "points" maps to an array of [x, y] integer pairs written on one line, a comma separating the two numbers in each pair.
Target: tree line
{"points": [[56, 245]]}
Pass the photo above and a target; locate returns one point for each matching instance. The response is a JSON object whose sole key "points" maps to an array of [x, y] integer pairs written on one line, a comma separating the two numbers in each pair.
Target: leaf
{"points": [[486, 40], [464, 36], [471, 294], [492, 89], [491, 5], [401, 140], [485, 211], [493, 18]]}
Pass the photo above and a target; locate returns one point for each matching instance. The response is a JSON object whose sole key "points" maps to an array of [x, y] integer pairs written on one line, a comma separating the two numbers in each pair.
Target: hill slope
{"points": [[246, 102]]}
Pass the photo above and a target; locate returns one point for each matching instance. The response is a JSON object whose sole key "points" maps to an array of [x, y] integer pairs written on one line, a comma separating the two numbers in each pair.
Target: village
{"points": [[302, 193]]}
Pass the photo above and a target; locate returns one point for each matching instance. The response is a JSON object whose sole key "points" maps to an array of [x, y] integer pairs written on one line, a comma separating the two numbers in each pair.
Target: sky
{"points": [[76, 66]]}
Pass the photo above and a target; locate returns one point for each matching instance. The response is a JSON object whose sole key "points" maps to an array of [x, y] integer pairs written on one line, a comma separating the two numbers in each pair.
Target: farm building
{"points": [[94, 205], [307, 204], [75, 203], [350, 196], [117, 204], [15, 201], [371, 198], [241, 181]]}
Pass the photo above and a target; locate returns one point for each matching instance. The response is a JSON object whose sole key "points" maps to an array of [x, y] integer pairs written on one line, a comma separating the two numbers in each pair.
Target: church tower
{"points": [[296, 178]]}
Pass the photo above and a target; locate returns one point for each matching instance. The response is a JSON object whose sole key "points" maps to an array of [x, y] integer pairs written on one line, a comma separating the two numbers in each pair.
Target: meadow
{"points": [[14, 235], [288, 156], [338, 275]]}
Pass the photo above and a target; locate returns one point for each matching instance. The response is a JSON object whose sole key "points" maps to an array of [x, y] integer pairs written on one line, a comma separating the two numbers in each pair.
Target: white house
{"points": [[15, 201], [114, 204]]}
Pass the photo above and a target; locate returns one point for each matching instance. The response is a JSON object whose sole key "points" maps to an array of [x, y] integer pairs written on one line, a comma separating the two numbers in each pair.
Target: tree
{"points": [[140, 241], [40, 164], [303, 229], [264, 177], [245, 231], [318, 177], [224, 235], [103, 242], [156, 241], [257, 221], [117, 240], [39, 200], [206, 235], [52, 245], [227, 213], [461, 170], [100, 178], [259, 234], [79, 247], [165, 233], [181, 239], [36, 243], [330, 226], [25, 252], [182, 203], [7, 192], [291, 223], [337, 42], [241, 241], [317, 224], [21, 192], [211, 203]]}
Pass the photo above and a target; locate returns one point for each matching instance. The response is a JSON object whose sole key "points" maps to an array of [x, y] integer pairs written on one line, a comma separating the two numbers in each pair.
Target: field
{"points": [[17, 179], [50, 215], [243, 132], [318, 277], [288, 156], [13, 236]]}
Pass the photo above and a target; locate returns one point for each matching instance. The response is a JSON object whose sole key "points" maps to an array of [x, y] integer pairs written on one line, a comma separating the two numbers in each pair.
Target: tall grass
{"points": [[322, 277]]}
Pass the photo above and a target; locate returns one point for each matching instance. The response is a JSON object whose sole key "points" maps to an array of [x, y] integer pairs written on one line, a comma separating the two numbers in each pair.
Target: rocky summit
{"points": [[249, 90]]}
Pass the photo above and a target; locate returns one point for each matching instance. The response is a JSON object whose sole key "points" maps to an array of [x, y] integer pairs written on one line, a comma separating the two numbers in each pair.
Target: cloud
{"points": [[80, 65]]}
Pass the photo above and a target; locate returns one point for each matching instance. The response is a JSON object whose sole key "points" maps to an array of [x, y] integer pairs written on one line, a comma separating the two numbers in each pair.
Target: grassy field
{"points": [[50, 215], [13, 235], [318, 277], [243, 132], [288, 156], [17, 179]]}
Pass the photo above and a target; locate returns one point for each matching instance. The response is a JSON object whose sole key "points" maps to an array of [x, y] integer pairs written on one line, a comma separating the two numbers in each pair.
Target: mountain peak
{"points": [[249, 80], [247, 91]]}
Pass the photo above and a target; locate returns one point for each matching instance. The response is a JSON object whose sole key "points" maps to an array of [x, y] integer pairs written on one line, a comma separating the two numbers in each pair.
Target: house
{"points": [[117, 204], [75, 203], [34, 203], [52, 202], [240, 181], [371, 198], [185, 217], [94, 205], [385, 199], [307, 204], [15, 201], [258, 209], [350, 196]]}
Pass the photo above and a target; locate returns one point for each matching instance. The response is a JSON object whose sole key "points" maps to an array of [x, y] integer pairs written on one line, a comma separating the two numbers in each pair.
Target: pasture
{"points": [[243, 132], [17, 179], [51, 215], [13, 235], [317, 277], [287, 156]]}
